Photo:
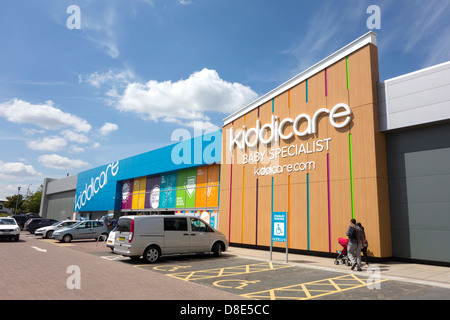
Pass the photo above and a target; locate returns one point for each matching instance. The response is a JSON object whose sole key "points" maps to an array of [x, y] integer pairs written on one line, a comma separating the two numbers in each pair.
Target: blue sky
{"points": [[136, 70]]}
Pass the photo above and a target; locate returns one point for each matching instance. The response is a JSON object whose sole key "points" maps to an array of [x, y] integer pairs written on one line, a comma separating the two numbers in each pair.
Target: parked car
{"points": [[88, 229], [9, 229], [47, 232], [24, 217], [111, 238], [35, 223], [158, 235]]}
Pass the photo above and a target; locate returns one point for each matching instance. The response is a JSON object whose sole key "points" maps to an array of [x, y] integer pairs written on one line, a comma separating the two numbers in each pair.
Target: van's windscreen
{"points": [[124, 225]]}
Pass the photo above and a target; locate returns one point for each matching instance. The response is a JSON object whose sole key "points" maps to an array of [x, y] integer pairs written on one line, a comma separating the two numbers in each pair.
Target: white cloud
{"points": [[17, 169], [97, 79], [100, 28], [46, 115], [107, 128], [59, 162], [75, 136], [52, 143], [186, 100], [76, 149]]}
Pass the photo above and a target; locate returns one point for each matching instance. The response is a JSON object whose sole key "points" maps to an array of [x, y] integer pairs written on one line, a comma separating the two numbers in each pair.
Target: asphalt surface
{"points": [[45, 269], [40, 269]]}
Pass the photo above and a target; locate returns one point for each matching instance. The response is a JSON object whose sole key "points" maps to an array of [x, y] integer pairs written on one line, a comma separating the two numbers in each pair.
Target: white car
{"points": [[9, 229], [110, 241], [47, 232]]}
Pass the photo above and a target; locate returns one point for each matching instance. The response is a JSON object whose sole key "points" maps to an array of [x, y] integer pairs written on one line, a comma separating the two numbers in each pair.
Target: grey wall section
{"points": [[58, 198], [416, 98], [60, 205], [419, 187]]}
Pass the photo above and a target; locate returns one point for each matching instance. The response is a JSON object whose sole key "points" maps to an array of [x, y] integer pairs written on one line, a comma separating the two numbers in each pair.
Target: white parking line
{"points": [[39, 249]]}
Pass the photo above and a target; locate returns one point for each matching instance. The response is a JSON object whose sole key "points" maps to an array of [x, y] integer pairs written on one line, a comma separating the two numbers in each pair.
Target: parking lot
{"points": [[231, 276], [266, 280]]}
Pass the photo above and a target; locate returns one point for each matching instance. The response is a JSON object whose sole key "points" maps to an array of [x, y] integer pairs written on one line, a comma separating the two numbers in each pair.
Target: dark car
{"points": [[36, 223], [24, 217]]}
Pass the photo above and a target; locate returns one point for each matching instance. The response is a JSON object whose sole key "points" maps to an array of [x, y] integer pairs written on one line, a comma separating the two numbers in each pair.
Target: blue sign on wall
{"points": [[279, 225], [99, 189]]}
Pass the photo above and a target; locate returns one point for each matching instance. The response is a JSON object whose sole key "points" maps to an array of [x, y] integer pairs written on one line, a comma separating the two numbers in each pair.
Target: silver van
{"points": [[157, 235]]}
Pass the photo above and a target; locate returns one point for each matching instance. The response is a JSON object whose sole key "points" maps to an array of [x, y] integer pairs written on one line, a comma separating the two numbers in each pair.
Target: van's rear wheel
{"points": [[151, 254]]}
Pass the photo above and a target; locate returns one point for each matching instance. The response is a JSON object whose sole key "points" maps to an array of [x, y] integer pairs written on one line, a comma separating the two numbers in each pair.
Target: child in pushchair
{"points": [[342, 255]]}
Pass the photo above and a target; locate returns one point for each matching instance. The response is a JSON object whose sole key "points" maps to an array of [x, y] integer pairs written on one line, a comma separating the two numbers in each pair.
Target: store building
{"points": [[331, 144], [311, 148]]}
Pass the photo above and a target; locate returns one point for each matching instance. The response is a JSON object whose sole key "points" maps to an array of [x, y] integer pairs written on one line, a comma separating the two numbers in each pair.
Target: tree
{"points": [[33, 201], [30, 203], [11, 203]]}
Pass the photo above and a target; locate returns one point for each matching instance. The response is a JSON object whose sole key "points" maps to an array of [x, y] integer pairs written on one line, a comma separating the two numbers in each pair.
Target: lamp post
{"points": [[17, 199]]}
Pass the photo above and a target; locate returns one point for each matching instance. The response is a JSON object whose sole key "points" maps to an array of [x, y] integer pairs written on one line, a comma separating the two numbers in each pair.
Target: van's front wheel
{"points": [[151, 254], [217, 249]]}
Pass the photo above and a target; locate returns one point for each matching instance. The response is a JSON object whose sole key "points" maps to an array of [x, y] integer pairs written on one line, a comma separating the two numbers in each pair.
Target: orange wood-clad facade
{"points": [[347, 179]]}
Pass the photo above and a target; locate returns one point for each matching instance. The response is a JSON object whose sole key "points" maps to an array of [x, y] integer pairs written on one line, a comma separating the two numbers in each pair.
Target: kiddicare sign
{"points": [[91, 184], [260, 136]]}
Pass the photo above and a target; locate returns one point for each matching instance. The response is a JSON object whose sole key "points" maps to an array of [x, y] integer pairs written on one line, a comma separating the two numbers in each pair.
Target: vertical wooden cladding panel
{"points": [[265, 116], [249, 219], [225, 165], [363, 143], [362, 77], [318, 216], [316, 101], [339, 146], [337, 84], [224, 210], [362, 83], [367, 211], [341, 211], [236, 209], [299, 106], [264, 215], [250, 178], [236, 196], [282, 111], [225, 175], [298, 216]]}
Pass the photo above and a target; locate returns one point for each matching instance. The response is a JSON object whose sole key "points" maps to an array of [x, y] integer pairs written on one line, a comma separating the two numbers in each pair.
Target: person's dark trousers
{"points": [[364, 251]]}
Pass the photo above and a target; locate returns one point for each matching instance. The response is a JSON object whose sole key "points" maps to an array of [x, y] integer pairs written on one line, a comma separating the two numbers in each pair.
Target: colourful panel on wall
{"points": [[200, 193], [127, 194], [191, 178], [168, 190], [181, 191], [139, 193], [212, 193], [152, 192]]}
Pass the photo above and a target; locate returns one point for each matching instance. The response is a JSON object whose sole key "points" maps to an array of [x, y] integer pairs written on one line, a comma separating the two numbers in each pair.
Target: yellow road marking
{"points": [[227, 271], [57, 243], [313, 289], [241, 283]]}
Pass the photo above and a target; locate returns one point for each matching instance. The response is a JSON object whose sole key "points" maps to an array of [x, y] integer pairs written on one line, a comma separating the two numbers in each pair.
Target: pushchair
{"points": [[343, 257]]}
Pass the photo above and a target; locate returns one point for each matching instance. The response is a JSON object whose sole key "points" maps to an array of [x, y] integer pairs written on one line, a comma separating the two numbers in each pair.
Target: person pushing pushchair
{"points": [[355, 240]]}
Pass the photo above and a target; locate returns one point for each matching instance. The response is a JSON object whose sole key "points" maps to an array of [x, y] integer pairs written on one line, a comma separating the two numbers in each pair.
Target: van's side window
{"points": [[199, 226], [175, 224]]}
